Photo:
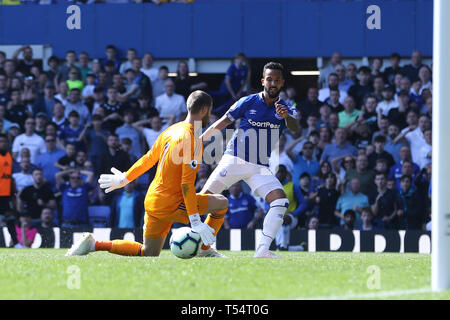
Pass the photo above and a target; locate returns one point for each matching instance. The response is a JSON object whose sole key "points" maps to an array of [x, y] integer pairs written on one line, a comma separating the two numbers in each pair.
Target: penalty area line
{"points": [[370, 295]]}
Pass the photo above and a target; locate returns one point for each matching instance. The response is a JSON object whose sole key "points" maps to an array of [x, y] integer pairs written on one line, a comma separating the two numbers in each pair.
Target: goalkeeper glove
{"points": [[206, 232], [113, 181]]}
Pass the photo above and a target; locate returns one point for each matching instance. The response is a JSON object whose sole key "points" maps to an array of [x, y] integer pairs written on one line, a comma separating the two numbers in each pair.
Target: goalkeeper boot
{"points": [[210, 253], [83, 246]]}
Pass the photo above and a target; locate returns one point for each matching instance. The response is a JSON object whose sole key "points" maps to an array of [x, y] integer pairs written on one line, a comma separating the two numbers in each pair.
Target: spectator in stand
{"points": [[383, 126], [114, 157], [24, 65], [46, 103], [83, 65], [159, 83], [383, 204], [341, 165], [350, 113], [349, 219], [352, 200], [64, 69], [29, 139], [7, 187], [131, 54], [147, 67], [404, 155], [233, 87], [388, 103], [113, 110], [98, 99], [75, 197], [409, 206], [128, 131], [407, 169], [425, 78], [95, 138], [397, 115], [326, 199], [325, 136], [333, 101], [59, 118], [279, 156], [74, 81], [127, 208], [185, 84], [362, 87], [336, 59], [46, 161], [367, 220], [156, 127], [390, 72], [53, 67], [303, 161], [378, 86], [379, 152], [324, 111], [24, 231], [4, 89], [338, 148], [132, 90], [415, 136], [426, 151], [63, 93], [74, 103], [171, 103], [88, 90], [111, 57], [344, 82], [333, 83], [242, 209], [37, 196], [412, 70], [16, 111], [377, 64], [67, 161], [310, 105], [73, 131], [362, 172], [391, 147], [23, 178], [13, 133], [144, 82]]}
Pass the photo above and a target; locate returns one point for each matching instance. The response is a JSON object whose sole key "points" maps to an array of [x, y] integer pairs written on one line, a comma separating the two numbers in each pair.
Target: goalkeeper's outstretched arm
{"points": [[120, 179]]}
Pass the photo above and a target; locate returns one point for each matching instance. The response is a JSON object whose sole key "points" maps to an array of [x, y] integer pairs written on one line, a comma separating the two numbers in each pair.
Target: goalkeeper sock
{"points": [[273, 221], [121, 247], [215, 221]]}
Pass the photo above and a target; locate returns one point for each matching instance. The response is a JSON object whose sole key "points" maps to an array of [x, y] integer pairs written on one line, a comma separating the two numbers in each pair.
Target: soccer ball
{"points": [[185, 243]]}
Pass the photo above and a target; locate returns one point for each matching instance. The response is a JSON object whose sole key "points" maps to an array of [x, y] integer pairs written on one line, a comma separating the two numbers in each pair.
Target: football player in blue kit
{"points": [[263, 117]]}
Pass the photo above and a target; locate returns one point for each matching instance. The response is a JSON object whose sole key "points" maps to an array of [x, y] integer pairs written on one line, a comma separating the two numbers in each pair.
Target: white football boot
{"points": [[263, 252], [83, 246], [210, 253]]}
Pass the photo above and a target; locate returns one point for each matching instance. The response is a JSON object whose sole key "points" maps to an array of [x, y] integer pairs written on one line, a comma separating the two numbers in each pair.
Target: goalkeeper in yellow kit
{"points": [[171, 196]]}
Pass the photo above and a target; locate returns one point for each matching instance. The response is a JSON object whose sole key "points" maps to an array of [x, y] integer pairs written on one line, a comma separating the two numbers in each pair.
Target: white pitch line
{"points": [[371, 295]]}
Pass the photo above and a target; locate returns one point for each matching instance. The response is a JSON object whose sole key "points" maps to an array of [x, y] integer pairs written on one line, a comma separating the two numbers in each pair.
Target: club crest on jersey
{"points": [[193, 164]]}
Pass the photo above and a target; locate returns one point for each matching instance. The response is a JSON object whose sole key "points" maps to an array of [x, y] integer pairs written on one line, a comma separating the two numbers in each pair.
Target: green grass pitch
{"points": [[48, 274]]}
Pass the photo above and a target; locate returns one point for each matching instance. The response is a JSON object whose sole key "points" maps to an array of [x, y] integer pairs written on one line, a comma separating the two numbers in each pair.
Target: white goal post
{"points": [[440, 261]]}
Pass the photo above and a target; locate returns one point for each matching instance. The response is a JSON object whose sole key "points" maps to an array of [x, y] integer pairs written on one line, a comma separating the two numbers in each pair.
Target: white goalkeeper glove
{"points": [[206, 232], [113, 181]]}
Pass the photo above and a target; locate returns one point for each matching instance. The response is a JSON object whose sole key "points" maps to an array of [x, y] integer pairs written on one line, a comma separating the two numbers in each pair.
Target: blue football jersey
{"points": [[259, 129]]}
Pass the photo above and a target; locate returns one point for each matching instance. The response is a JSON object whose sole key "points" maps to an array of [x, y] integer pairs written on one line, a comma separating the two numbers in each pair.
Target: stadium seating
{"points": [[99, 216]]}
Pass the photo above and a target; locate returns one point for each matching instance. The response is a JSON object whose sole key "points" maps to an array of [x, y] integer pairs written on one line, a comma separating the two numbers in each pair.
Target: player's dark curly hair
{"points": [[273, 66]]}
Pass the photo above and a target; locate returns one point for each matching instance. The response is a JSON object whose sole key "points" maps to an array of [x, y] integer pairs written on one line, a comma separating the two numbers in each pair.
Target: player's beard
{"points": [[274, 94]]}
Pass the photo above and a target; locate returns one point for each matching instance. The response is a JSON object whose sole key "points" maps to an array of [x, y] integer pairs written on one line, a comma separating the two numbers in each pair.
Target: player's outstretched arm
{"points": [[216, 127]]}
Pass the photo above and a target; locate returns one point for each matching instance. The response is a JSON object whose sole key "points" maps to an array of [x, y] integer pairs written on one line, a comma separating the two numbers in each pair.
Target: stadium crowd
{"points": [[361, 159]]}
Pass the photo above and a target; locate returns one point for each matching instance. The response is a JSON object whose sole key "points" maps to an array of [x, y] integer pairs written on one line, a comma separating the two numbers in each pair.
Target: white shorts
{"points": [[232, 169]]}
